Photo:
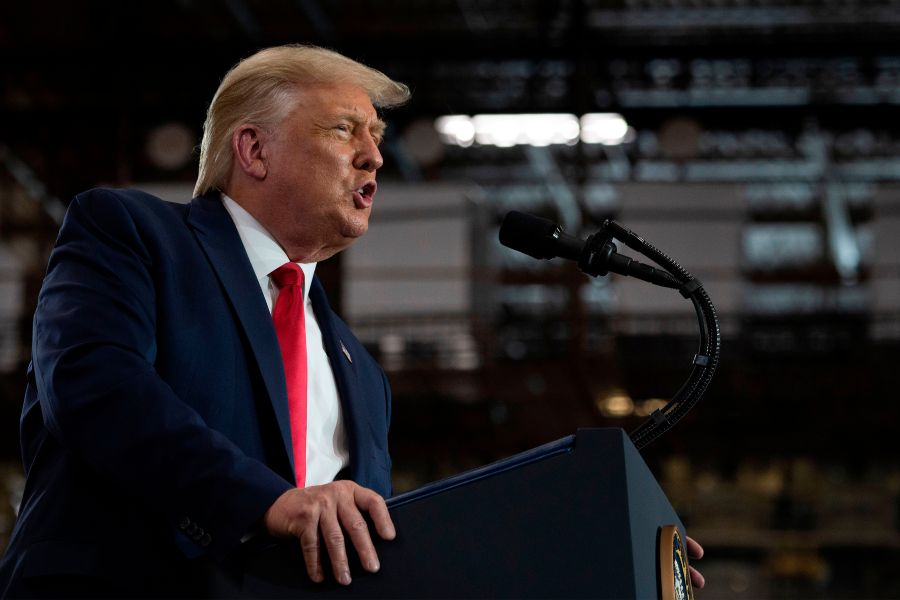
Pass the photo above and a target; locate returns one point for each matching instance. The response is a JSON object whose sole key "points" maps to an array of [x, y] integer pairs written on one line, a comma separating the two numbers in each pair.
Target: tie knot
{"points": [[287, 274]]}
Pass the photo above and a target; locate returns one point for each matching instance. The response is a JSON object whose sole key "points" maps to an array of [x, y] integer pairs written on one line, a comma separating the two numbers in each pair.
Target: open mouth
{"points": [[363, 195]]}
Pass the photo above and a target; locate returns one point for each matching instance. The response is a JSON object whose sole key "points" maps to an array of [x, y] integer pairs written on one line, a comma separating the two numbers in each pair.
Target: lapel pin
{"points": [[346, 353]]}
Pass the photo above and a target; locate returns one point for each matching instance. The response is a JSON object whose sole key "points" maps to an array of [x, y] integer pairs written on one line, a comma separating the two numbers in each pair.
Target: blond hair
{"points": [[261, 90]]}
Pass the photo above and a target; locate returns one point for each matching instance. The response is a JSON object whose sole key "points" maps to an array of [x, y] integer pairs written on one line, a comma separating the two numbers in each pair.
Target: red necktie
{"points": [[290, 325]]}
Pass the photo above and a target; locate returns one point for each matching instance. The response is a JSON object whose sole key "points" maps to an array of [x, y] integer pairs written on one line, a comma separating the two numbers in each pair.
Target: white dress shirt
{"points": [[326, 440]]}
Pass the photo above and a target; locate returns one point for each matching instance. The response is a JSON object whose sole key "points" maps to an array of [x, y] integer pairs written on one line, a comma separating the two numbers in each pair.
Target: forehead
{"points": [[337, 99]]}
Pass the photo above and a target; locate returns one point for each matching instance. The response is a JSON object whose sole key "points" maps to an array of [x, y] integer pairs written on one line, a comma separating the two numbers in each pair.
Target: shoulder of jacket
{"points": [[131, 200]]}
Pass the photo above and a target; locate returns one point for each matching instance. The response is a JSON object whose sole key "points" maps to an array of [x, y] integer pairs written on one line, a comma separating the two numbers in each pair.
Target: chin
{"points": [[356, 227]]}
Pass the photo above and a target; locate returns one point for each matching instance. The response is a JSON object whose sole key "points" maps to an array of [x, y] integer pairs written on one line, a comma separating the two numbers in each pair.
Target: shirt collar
{"points": [[263, 251]]}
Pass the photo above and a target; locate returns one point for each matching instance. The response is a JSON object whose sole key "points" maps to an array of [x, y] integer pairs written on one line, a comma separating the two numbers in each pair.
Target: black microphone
{"points": [[543, 239], [537, 237]]}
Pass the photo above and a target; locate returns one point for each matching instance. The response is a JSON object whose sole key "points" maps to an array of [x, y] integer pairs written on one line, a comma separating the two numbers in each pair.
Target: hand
{"points": [[329, 510], [695, 552]]}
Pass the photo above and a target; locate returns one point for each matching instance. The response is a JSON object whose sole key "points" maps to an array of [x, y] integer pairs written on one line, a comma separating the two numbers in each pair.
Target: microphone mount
{"points": [[600, 257], [597, 256]]}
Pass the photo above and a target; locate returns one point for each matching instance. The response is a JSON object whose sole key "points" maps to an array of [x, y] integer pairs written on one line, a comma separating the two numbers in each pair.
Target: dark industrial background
{"points": [[763, 154]]}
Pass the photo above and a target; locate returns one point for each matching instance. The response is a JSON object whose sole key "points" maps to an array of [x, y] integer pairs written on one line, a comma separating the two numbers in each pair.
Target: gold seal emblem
{"points": [[674, 577]]}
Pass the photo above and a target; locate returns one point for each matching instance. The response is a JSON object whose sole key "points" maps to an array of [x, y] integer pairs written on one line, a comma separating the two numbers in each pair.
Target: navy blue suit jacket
{"points": [[155, 426]]}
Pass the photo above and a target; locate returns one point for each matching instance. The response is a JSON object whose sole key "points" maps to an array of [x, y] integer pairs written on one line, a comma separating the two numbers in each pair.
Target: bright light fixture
{"points": [[533, 129], [457, 130], [609, 129]]}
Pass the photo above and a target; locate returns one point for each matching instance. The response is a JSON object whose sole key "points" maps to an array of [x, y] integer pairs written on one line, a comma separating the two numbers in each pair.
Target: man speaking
{"points": [[190, 387]]}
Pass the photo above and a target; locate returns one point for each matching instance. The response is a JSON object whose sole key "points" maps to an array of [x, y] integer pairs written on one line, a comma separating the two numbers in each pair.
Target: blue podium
{"points": [[580, 517]]}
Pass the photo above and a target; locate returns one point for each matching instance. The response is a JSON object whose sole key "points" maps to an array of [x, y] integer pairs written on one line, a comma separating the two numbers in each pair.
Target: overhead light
{"points": [[609, 129], [457, 130], [536, 129], [525, 129], [542, 129]]}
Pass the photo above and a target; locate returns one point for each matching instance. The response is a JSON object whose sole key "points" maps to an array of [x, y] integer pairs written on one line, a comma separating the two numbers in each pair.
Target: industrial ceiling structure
{"points": [[762, 144], [110, 74]]}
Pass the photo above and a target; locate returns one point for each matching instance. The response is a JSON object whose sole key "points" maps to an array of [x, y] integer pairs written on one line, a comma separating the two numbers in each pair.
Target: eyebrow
{"points": [[377, 127]]}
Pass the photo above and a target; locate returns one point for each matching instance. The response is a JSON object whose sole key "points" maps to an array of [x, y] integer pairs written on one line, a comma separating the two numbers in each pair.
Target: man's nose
{"points": [[369, 157]]}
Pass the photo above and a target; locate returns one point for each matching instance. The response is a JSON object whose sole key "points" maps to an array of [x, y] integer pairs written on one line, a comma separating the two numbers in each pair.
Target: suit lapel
{"points": [[344, 369], [220, 241]]}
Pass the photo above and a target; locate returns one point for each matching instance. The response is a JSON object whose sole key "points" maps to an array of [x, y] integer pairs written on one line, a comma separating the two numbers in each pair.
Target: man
{"points": [[190, 386]]}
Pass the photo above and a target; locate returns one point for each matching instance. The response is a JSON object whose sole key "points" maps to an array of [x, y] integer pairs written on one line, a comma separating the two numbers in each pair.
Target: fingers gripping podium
{"points": [[580, 517]]}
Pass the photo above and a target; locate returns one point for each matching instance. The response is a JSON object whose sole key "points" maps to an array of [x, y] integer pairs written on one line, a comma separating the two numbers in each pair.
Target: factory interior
{"points": [[756, 142]]}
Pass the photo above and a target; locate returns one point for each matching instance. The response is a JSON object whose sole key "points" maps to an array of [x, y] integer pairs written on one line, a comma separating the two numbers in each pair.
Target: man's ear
{"points": [[248, 146]]}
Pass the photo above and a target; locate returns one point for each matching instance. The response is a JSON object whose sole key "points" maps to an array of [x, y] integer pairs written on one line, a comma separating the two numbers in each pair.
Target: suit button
{"points": [[183, 523], [205, 540]]}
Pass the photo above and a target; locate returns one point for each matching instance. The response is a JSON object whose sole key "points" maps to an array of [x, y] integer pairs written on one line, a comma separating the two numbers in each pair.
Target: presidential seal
{"points": [[674, 578]]}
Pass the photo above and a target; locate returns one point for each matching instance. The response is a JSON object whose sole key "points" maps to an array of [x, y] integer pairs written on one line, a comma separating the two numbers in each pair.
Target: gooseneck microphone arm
{"points": [[597, 256]]}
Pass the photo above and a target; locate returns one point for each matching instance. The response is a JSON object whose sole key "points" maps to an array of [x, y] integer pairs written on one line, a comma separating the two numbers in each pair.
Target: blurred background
{"points": [[755, 141]]}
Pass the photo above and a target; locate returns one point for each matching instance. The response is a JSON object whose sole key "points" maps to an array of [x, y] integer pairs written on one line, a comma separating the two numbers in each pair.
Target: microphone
{"points": [[543, 239], [538, 238]]}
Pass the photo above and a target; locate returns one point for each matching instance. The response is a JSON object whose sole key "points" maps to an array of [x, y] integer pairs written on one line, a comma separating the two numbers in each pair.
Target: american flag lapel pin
{"points": [[346, 352]]}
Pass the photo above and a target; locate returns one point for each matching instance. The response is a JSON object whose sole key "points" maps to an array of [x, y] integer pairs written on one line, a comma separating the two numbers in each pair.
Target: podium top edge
{"points": [[561, 446]]}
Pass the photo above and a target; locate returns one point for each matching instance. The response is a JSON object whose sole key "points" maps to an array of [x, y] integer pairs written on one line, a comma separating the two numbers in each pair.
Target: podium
{"points": [[579, 517]]}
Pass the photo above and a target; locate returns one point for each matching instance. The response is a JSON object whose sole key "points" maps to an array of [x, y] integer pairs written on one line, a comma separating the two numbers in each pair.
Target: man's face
{"points": [[320, 171]]}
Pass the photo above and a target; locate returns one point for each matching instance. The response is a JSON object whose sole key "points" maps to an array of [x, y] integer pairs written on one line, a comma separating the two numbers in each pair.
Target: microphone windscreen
{"points": [[529, 234]]}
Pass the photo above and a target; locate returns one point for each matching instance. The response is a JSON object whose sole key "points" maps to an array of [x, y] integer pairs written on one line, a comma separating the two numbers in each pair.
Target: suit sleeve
{"points": [[94, 345]]}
